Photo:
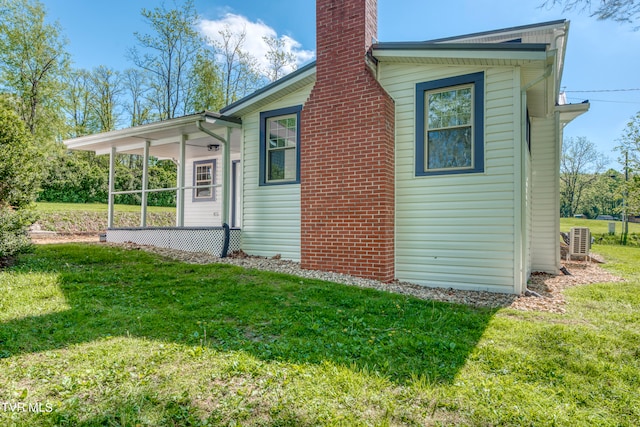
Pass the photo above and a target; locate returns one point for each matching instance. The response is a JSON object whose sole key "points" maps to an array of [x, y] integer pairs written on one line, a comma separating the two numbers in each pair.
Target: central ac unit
{"points": [[579, 242]]}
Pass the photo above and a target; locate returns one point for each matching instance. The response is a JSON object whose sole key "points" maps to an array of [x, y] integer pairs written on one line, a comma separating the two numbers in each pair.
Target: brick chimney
{"points": [[347, 150]]}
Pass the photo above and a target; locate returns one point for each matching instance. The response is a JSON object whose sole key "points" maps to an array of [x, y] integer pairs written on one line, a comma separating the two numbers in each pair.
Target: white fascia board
{"points": [[270, 92], [380, 54], [133, 132], [221, 122], [569, 112], [140, 132]]}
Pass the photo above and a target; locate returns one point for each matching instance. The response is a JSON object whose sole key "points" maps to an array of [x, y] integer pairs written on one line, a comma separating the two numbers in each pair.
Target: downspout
{"points": [[559, 62], [547, 73], [225, 182]]}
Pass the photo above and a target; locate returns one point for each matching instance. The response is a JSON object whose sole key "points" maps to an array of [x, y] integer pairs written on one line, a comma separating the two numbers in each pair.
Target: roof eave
{"points": [[503, 31], [300, 74], [525, 52], [139, 131], [569, 112]]}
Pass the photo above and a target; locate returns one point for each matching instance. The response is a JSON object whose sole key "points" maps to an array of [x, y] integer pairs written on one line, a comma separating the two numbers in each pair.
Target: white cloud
{"points": [[254, 42]]}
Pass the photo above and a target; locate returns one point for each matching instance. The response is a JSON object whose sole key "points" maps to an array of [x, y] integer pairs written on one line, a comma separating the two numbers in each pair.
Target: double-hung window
{"points": [[203, 180], [280, 146], [450, 125]]}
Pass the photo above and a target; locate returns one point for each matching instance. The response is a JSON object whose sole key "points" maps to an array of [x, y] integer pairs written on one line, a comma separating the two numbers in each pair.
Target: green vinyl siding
{"points": [[271, 213], [545, 200], [456, 230]]}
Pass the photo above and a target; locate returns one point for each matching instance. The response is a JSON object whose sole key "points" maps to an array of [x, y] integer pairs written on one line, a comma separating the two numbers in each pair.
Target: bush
{"points": [[20, 173], [75, 178], [82, 177], [20, 161], [14, 225]]}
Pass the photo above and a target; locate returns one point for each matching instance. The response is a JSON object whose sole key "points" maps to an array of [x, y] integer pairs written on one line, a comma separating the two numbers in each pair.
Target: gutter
{"points": [[226, 172]]}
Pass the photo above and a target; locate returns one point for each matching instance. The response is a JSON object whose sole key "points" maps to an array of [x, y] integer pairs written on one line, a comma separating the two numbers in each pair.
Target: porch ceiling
{"points": [[164, 137]]}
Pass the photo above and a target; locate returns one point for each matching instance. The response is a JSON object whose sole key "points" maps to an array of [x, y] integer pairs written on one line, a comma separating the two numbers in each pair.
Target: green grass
{"points": [[111, 337], [621, 260], [92, 217], [45, 207], [600, 230], [596, 226]]}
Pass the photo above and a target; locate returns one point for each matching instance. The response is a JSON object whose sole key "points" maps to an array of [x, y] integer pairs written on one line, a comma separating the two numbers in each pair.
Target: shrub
{"points": [[20, 173], [14, 225]]}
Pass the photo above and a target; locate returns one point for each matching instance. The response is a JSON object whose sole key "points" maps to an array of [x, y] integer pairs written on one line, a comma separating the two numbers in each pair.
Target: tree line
{"points": [[590, 188], [174, 71]]}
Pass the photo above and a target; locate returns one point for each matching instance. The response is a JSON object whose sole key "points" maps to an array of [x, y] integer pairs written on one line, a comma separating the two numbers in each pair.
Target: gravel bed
{"points": [[547, 288]]}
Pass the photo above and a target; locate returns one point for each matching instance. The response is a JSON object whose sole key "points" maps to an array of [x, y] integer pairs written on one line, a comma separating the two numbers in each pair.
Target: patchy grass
{"points": [[600, 230], [621, 260], [596, 226], [92, 217], [43, 207], [111, 337]]}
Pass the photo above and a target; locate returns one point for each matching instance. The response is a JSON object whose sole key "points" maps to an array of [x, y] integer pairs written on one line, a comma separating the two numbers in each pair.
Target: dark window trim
{"points": [[213, 179], [477, 79], [263, 143]]}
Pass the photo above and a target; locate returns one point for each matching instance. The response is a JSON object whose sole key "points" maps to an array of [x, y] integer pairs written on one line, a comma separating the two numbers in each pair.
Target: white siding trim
{"points": [[545, 248], [518, 188]]}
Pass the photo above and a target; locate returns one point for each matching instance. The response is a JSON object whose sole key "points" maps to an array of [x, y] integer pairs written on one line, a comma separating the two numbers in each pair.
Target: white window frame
{"points": [[202, 184]]}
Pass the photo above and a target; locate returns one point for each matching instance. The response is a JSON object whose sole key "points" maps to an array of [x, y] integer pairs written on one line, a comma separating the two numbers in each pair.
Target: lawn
{"points": [[596, 226], [95, 335], [92, 217], [44, 207]]}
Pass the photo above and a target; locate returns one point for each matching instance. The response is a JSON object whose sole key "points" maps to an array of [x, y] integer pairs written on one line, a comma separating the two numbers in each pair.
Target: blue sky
{"points": [[600, 55]]}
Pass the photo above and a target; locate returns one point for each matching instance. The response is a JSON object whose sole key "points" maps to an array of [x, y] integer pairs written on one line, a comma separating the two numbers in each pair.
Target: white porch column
{"points": [[112, 186], [181, 183], [145, 185]]}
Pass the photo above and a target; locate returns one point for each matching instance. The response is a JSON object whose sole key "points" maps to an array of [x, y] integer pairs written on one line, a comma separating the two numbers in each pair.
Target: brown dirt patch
{"points": [[551, 287]]}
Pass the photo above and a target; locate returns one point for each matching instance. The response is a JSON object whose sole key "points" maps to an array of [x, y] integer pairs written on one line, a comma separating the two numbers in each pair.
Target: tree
{"points": [[106, 88], [77, 105], [240, 74], [629, 158], [20, 174], [579, 165], [207, 84], [135, 85], [32, 62], [604, 195], [278, 58], [625, 11], [167, 55]]}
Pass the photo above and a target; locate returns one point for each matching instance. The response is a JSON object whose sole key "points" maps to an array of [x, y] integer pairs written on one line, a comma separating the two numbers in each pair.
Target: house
{"points": [[431, 162]]}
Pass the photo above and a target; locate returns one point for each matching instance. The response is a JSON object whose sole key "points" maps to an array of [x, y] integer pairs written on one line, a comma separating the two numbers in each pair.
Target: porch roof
{"points": [[162, 135]]}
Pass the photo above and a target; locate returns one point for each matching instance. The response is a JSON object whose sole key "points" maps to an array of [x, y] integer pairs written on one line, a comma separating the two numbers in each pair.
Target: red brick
{"points": [[347, 150]]}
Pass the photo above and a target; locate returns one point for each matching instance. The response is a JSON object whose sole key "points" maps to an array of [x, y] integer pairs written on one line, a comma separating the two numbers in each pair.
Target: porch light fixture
{"points": [[213, 147]]}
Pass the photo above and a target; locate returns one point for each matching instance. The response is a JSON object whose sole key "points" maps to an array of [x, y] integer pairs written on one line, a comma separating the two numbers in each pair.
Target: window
{"points": [[279, 146], [204, 178], [450, 125]]}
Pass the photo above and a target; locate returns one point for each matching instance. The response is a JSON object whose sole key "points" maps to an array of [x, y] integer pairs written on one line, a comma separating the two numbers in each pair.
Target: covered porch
{"points": [[205, 149]]}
